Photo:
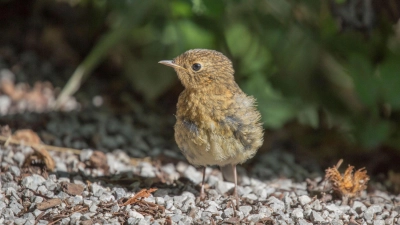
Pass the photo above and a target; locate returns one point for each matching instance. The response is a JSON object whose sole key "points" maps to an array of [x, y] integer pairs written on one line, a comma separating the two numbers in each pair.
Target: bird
{"points": [[216, 122]]}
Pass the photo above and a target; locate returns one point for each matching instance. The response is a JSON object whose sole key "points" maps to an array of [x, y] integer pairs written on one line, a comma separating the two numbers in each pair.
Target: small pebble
{"points": [[276, 204], [75, 217], [316, 205], [303, 222], [316, 217], [19, 157], [228, 212], [297, 213], [32, 182], [15, 171], [304, 199], [119, 193], [223, 187], [245, 209], [193, 174]]}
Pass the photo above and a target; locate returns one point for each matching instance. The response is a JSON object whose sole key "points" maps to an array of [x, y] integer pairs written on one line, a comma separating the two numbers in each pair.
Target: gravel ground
{"points": [[78, 193]]}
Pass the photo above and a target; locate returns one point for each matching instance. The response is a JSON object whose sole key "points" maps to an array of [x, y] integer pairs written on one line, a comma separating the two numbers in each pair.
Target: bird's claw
{"points": [[202, 196]]}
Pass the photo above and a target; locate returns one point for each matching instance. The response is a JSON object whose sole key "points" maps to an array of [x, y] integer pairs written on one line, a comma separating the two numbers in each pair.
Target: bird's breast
{"points": [[203, 107]]}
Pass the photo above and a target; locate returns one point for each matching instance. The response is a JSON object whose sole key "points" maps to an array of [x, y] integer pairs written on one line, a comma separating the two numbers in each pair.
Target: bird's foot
{"points": [[202, 196], [237, 202], [236, 197], [202, 193]]}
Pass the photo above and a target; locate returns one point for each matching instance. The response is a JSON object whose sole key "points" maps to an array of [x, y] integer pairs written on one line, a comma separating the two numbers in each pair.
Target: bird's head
{"points": [[202, 67]]}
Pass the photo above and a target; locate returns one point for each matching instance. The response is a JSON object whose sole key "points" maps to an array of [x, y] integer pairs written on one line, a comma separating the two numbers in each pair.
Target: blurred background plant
{"points": [[330, 67]]}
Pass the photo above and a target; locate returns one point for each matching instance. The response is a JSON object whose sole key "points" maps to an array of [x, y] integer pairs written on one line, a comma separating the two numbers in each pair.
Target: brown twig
{"points": [[144, 193], [8, 140]]}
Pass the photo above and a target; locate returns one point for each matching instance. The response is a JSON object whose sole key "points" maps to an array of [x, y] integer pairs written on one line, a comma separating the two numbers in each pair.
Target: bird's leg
{"points": [[235, 190], [202, 194]]}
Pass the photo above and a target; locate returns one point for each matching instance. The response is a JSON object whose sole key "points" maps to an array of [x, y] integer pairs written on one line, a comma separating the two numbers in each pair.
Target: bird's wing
{"points": [[243, 120]]}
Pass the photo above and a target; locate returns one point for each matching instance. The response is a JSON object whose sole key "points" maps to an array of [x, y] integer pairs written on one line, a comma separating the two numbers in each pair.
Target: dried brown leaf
{"points": [[168, 221], [348, 185], [44, 155], [40, 155], [72, 189], [265, 221], [48, 204], [26, 135], [232, 220], [86, 222], [144, 193]]}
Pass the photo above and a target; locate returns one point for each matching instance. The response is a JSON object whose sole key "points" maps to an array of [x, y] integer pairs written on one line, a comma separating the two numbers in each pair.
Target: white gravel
{"points": [[277, 200]]}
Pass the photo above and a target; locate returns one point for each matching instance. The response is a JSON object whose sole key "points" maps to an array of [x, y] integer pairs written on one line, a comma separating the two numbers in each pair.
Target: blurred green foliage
{"points": [[324, 63]]}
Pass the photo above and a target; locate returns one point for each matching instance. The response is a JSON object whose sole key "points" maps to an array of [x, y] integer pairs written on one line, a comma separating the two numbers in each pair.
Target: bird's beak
{"points": [[171, 64]]}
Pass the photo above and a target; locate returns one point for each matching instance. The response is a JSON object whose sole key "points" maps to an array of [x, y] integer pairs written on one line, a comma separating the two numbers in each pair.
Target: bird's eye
{"points": [[196, 66]]}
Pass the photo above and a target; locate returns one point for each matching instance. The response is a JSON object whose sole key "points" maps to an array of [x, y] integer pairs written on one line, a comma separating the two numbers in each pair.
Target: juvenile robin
{"points": [[216, 122]]}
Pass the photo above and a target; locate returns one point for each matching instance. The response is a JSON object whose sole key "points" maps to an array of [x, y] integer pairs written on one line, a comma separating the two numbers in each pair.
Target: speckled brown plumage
{"points": [[217, 123]]}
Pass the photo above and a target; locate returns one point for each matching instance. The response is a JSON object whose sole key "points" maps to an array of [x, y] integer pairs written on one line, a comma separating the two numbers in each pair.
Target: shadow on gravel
{"points": [[134, 183]]}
